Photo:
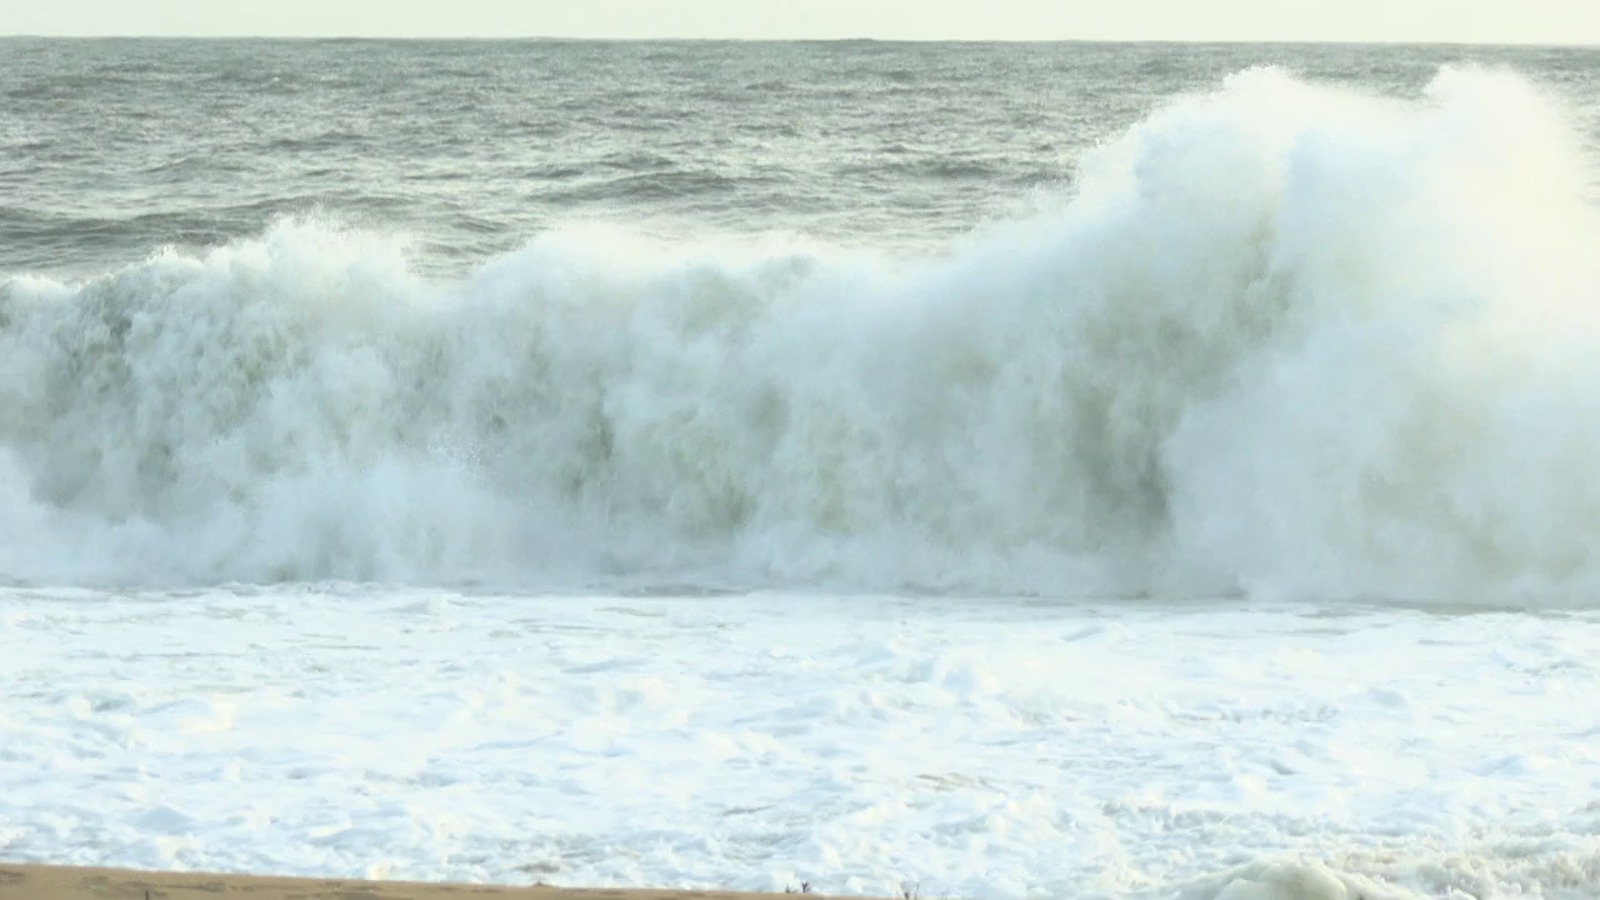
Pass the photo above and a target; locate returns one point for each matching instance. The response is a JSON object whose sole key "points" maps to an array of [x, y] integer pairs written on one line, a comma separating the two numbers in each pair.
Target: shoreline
{"points": [[34, 881]]}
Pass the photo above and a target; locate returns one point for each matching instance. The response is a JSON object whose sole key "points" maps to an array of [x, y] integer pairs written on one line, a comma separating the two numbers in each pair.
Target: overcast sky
{"points": [[1495, 21]]}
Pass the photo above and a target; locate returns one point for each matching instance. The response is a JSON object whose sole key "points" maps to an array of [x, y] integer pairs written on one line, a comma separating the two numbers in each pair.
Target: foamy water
{"points": [[970, 747], [1215, 522]]}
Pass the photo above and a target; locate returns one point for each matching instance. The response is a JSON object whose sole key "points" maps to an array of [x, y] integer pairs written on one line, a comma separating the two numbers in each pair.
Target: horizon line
{"points": [[552, 38]]}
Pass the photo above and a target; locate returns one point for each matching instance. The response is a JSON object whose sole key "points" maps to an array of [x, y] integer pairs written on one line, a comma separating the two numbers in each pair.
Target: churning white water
{"points": [[1281, 339], [966, 747]]}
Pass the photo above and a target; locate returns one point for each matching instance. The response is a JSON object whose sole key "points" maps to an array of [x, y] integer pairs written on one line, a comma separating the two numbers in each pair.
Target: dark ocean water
{"points": [[112, 148]]}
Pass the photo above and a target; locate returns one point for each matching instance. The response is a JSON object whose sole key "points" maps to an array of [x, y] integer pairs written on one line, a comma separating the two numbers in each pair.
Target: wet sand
{"points": [[34, 882]]}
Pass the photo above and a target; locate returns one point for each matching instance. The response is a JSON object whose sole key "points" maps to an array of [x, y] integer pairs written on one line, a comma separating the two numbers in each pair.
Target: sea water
{"points": [[983, 470]]}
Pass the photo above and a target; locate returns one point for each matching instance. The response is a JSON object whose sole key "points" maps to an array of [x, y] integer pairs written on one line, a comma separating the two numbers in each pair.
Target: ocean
{"points": [[981, 470]]}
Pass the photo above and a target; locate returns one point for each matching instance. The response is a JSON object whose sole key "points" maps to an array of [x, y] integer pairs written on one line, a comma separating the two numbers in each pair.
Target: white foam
{"points": [[964, 747], [1281, 339]]}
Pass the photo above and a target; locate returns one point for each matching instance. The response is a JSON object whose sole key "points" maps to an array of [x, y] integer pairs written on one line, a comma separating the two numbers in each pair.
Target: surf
{"points": [[1280, 339]]}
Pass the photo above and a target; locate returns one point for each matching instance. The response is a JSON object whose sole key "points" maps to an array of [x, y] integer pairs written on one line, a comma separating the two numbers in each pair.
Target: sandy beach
{"points": [[35, 882]]}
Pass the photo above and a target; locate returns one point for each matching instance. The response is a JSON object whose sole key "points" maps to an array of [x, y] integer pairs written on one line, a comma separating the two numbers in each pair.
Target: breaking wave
{"points": [[1281, 339]]}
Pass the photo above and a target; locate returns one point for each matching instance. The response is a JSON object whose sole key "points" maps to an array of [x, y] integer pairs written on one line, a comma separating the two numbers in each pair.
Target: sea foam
{"points": [[1280, 339]]}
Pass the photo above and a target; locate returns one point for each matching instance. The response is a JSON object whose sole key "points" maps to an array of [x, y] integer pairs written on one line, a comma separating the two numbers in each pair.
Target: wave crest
{"points": [[1282, 339]]}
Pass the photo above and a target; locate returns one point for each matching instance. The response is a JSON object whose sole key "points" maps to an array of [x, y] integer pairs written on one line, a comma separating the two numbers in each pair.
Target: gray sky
{"points": [[1496, 21]]}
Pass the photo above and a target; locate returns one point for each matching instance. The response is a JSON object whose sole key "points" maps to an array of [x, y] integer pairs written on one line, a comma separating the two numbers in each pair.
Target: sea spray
{"points": [[1280, 339]]}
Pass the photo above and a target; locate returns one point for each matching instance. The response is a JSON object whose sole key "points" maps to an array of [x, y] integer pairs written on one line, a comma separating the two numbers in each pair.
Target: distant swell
{"points": [[1281, 339]]}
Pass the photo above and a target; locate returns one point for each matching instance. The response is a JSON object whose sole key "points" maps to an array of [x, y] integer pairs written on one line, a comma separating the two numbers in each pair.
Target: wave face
{"points": [[1281, 339]]}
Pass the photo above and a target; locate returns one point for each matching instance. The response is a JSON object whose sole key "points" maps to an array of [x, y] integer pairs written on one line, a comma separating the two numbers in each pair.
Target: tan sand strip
{"points": [[31, 882]]}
